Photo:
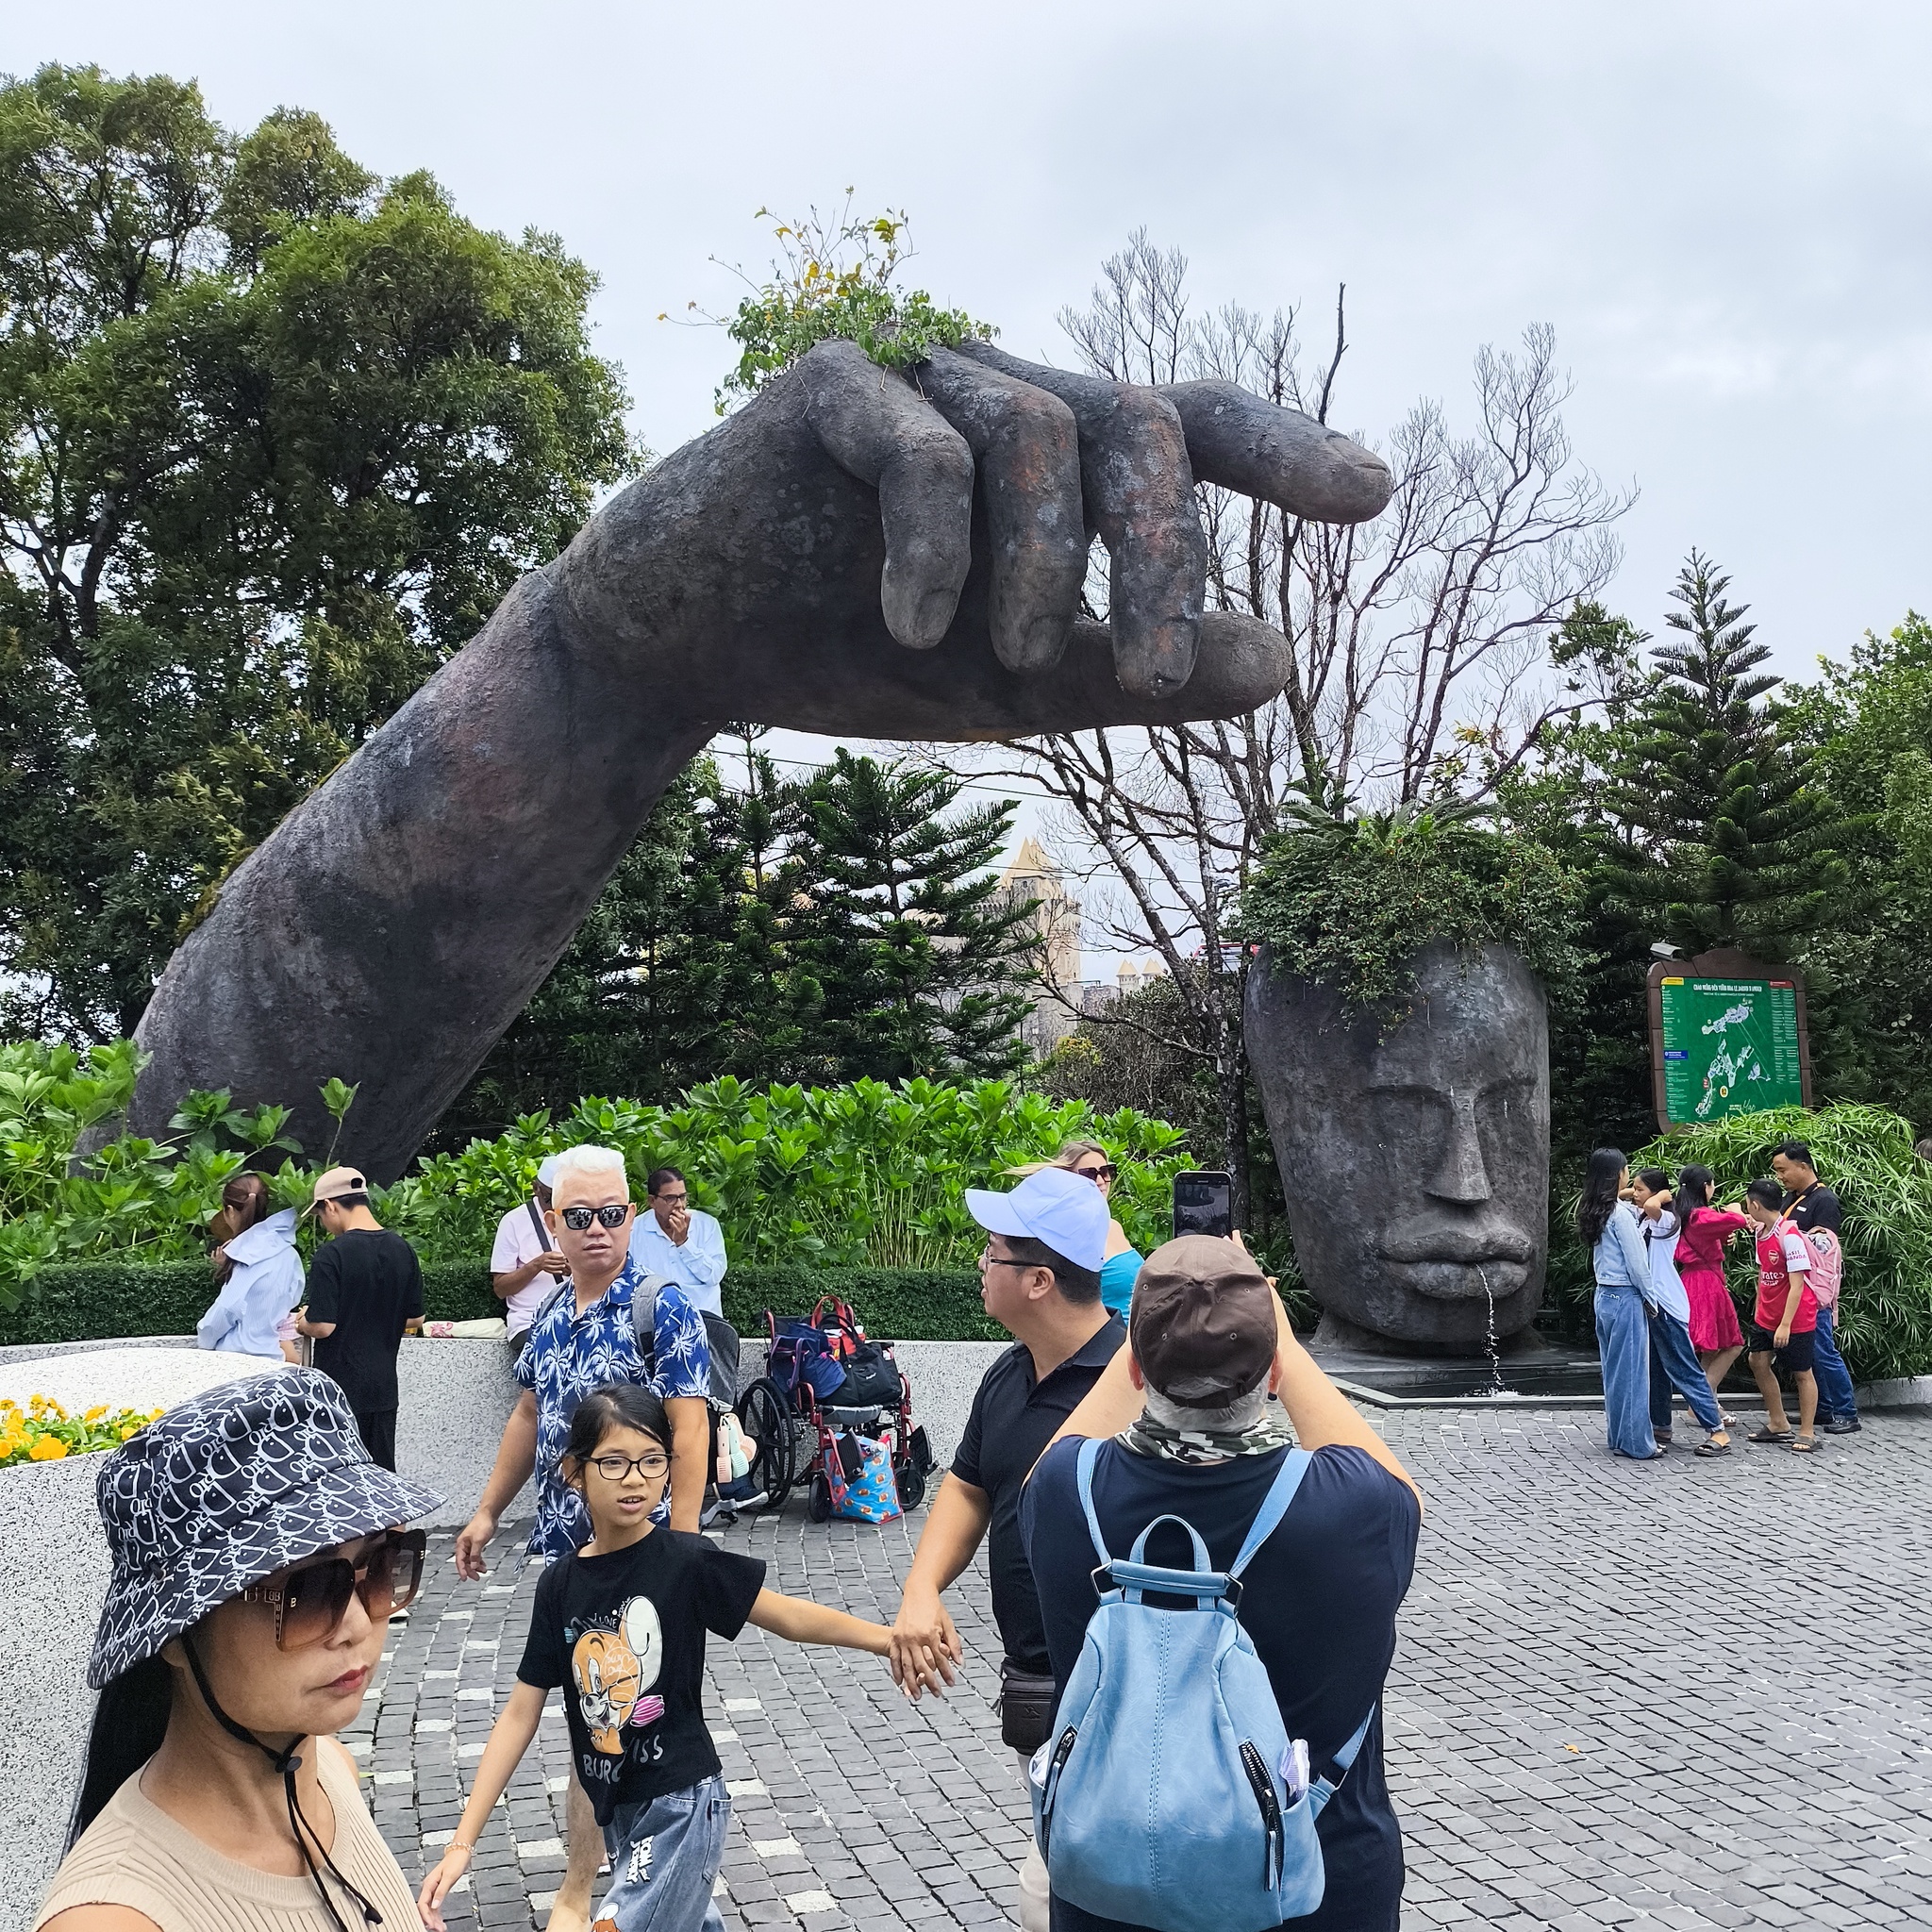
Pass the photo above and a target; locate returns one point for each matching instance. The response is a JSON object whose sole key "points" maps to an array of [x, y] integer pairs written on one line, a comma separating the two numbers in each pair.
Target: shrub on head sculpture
{"points": [[855, 551], [1402, 1052]]}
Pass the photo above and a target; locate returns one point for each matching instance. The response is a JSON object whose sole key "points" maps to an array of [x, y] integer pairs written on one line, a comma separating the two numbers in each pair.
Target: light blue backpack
{"points": [[1163, 1798]]}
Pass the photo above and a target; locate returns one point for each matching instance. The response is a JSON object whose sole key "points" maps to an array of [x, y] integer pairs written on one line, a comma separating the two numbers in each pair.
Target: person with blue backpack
{"points": [[1219, 1577]]}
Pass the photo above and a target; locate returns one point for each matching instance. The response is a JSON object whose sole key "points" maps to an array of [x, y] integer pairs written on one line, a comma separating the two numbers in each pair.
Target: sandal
{"points": [[1729, 1421], [1709, 1446], [1804, 1445], [1769, 1435]]}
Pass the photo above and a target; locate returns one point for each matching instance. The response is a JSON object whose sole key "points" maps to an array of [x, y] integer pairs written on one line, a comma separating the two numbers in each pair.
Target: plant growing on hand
{"points": [[834, 277]]}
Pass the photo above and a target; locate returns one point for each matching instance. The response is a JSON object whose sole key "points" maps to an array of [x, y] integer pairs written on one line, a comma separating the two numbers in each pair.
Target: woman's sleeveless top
{"points": [[135, 1855]]}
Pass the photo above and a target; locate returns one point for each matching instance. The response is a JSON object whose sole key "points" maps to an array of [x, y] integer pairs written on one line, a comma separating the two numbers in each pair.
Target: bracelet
{"points": [[457, 1844]]}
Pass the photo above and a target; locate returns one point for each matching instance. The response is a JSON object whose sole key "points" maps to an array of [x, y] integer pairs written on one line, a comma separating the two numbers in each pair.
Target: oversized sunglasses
{"points": [[310, 1602], [577, 1219], [1097, 1175]]}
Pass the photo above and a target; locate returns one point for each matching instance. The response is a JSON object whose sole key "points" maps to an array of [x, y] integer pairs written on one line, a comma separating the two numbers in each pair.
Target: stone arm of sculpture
{"points": [[853, 552]]}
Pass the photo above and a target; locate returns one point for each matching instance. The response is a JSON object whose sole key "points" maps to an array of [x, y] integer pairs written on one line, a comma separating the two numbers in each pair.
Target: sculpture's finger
{"points": [[1139, 493], [1027, 450], [1239, 441], [874, 426]]}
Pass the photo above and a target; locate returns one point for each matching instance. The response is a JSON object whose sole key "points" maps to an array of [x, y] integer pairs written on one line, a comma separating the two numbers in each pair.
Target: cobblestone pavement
{"points": [[1686, 1694]]}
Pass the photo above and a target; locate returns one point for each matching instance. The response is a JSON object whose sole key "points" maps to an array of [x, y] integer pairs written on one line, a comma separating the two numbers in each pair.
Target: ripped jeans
{"points": [[664, 1858]]}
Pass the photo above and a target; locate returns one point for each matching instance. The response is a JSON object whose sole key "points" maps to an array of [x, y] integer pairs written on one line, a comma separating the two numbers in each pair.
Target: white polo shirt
{"points": [[518, 1241]]}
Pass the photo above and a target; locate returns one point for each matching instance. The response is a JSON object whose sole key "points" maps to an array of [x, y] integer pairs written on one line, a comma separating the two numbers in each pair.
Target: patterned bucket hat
{"points": [[224, 1490]]}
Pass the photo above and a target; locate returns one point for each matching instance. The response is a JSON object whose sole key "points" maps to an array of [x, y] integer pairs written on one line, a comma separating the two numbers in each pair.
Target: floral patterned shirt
{"points": [[570, 1353]]}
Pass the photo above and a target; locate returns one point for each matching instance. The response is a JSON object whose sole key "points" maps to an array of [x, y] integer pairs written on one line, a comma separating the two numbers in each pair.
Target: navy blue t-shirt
{"points": [[1320, 1606]]}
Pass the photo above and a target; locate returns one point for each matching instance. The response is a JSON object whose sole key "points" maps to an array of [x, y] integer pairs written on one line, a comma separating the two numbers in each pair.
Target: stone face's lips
{"points": [[1473, 1247], [1455, 1281]]}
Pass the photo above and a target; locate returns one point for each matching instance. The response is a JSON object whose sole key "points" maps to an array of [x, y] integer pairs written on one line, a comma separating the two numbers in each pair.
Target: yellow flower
{"points": [[128, 1429], [96, 1413], [48, 1449]]}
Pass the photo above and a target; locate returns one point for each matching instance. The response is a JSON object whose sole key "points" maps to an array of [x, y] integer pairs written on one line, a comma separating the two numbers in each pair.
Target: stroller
{"points": [[823, 1382]]}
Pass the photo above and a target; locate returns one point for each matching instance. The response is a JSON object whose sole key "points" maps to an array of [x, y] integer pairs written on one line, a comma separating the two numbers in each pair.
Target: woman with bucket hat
{"points": [[258, 1554]]}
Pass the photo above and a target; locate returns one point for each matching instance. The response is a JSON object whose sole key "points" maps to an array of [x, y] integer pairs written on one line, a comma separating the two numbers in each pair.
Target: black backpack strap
{"points": [[536, 1222]]}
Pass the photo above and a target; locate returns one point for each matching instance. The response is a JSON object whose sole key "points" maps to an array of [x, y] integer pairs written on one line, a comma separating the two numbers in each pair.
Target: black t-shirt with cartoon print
{"points": [[624, 1636]]}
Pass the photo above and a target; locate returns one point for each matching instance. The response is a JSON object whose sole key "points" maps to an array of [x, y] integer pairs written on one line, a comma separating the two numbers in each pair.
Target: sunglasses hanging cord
{"points": [[286, 1764]]}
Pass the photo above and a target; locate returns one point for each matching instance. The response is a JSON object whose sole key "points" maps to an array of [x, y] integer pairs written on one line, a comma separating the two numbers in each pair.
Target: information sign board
{"points": [[1724, 1043]]}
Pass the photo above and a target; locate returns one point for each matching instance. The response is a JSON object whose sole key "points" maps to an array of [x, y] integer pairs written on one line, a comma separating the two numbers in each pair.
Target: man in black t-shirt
{"points": [[365, 1294], [1810, 1204], [1040, 1278], [1199, 1439]]}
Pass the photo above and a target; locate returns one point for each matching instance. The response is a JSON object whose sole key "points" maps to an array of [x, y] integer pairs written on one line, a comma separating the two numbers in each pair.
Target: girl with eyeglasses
{"points": [[258, 1554], [1121, 1267], [620, 1627]]}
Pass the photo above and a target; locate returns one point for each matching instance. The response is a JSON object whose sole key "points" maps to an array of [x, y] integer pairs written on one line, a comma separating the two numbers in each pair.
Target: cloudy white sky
{"points": [[1720, 205], [1721, 208]]}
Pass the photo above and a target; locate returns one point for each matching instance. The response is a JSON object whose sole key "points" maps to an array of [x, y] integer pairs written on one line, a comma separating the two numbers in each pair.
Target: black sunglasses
{"points": [[1097, 1175], [311, 1601], [577, 1219]]}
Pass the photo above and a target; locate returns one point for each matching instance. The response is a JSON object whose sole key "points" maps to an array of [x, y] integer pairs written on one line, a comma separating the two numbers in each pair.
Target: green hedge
{"points": [[92, 1301]]}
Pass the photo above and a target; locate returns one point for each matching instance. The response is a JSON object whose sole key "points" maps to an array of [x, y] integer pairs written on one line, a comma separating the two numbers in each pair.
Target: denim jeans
{"points": [[664, 1859], [1621, 1341], [1672, 1360], [1835, 1401]]}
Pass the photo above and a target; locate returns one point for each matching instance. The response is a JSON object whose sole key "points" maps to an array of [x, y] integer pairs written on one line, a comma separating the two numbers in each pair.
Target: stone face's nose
{"points": [[1461, 1177]]}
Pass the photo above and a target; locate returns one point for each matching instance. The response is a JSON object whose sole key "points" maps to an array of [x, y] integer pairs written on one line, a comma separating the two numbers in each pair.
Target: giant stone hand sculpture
{"points": [[852, 552]]}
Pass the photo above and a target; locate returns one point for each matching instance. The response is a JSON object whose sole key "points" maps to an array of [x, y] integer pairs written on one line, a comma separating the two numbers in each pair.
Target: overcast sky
{"points": [[1721, 208]]}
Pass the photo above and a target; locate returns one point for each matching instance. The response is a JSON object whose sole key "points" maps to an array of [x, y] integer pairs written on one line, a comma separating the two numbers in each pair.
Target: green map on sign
{"points": [[1730, 1046]]}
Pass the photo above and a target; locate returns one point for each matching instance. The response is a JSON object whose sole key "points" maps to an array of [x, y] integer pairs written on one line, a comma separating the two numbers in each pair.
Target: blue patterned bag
{"points": [[873, 1495]]}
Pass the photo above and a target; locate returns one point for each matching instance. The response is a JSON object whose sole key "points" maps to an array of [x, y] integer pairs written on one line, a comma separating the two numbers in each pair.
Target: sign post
{"points": [[1727, 1036]]}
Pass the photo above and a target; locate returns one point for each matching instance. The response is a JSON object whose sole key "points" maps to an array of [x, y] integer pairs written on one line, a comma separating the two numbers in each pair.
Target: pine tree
{"points": [[917, 960], [1733, 836]]}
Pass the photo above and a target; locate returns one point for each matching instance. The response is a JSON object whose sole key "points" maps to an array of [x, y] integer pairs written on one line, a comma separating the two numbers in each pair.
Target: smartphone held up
{"points": [[1203, 1202]]}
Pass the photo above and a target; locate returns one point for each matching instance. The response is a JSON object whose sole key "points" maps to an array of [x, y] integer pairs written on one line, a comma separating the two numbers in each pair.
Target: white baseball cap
{"points": [[1056, 1206], [546, 1174]]}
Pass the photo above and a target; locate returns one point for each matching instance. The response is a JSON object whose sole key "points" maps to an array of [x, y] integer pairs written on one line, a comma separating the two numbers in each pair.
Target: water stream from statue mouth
{"points": [[1495, 1353]]}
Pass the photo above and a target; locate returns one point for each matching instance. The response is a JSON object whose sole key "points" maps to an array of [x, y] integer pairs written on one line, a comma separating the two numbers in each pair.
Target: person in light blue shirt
{"points": [[1608, 1227], [680, 1242], [1672, 1360], [263, 1281]]}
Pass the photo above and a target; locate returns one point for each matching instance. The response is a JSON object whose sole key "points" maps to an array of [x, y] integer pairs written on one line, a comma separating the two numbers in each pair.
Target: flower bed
{"points": [[44, 1432]]}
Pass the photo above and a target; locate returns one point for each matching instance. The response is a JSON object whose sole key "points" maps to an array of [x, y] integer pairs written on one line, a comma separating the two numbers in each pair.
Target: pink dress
{"points": [[1701, 1264]]}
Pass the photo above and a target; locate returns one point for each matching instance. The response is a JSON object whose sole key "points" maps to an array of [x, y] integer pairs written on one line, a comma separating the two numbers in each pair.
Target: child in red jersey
{"points": [[1785, 1320]]}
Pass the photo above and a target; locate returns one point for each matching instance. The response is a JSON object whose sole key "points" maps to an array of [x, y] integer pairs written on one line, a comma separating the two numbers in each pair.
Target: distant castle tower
{"points": [[1055, 924]]}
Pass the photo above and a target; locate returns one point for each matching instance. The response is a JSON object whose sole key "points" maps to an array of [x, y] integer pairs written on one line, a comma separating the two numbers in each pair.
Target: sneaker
{"points": [[1843, 1426], [716, 1513]]}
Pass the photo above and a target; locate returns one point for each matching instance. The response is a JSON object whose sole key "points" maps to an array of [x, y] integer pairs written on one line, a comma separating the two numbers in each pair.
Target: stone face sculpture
{"points": [[1416, 1162], [853, 552]]}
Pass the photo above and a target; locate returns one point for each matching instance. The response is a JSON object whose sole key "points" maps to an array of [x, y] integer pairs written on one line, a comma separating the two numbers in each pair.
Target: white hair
{"points": [[587, 1160], [1241, 1413]]}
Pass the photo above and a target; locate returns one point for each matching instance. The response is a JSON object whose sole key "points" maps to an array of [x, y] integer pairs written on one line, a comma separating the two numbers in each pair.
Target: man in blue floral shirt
{"points": [[586, 1334]]}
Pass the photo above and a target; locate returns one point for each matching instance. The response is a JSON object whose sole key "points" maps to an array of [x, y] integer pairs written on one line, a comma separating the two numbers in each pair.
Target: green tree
{"points": [[1868, 722], [832, 927], [917, 957], [1733, 837], [276, 439]]}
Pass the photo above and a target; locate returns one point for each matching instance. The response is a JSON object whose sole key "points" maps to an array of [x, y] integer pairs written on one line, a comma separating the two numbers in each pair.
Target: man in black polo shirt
{"points": [[1810, 1204], [1040, 1278]]}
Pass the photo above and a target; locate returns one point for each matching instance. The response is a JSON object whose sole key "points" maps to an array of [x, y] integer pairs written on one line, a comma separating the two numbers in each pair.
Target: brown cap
{"points": [[337, 1182], [1202, 1323]]}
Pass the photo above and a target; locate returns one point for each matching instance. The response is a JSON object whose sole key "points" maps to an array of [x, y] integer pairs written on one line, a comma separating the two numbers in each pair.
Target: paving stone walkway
{"points": [[1681, 1694]]}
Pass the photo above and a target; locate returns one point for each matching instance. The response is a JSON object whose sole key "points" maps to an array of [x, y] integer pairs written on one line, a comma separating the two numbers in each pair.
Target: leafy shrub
{"points": [[835, 278], [1865, 1153], [132, 1197], [1349, 901], [99, 1301], [861, 1175]]}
